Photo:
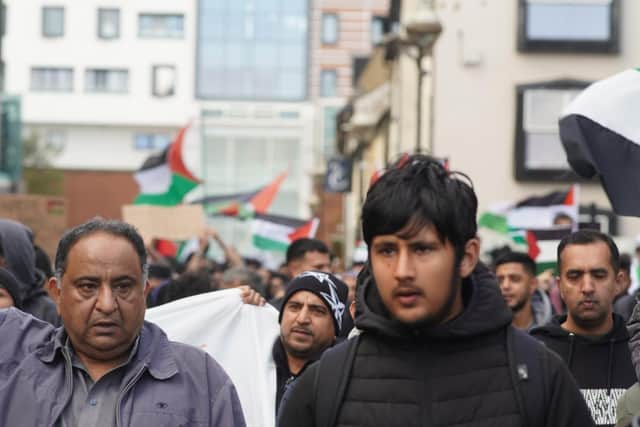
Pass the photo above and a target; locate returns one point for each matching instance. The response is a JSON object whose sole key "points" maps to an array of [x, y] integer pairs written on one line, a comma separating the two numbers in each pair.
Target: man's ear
{"points": [[470, 257], [147, 288], [54, 291]]}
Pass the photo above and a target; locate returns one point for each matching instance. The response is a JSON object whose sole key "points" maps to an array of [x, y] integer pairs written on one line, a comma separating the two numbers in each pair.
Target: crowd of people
{"points": [[421, 334]]}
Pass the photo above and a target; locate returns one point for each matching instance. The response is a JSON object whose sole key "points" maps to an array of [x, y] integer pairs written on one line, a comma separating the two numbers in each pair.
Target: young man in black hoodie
{"points": [[437, 344], [592, 340]]}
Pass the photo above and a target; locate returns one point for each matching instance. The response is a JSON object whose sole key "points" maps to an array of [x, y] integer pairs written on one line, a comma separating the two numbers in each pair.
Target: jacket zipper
{"points": [[125, 390]]}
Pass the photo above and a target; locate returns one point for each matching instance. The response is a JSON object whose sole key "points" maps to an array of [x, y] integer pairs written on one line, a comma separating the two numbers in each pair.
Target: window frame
{"points": [[162, 37], [383, 23], [334, 72], [99, 27], [323, 39], [98, 91], [610, 46], [43, 21], [44, 68], [153, 80], [521, 172]]}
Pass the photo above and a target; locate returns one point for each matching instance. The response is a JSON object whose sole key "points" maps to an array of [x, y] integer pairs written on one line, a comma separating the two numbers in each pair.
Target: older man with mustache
{"points": [[592, 340]]}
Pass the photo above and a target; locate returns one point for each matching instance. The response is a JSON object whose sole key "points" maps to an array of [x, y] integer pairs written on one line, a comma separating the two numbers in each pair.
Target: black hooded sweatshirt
{"points": [[602, 365], [20, 259], [453, 374]]}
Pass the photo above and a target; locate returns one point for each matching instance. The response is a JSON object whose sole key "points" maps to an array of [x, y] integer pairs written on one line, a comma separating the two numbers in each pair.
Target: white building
{"points": [[102, 82]]}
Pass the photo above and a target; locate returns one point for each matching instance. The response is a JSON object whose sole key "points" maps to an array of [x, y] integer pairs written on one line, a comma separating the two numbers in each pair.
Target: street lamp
{"points": [[419, 35], [423, 29]]}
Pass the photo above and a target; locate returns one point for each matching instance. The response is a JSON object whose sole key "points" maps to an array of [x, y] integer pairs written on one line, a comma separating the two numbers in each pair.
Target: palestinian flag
{"points": [[531, 225], [600, 132], [275, 233], [163, 178], [243, 205]]}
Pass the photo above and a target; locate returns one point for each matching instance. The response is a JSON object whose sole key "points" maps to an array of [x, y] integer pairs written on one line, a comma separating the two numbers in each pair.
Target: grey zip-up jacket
{"points": [[166, 383]]}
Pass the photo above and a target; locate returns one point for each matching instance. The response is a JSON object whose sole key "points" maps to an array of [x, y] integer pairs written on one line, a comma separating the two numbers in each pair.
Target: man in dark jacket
{"points": [[590, 338], [516, 274], [310, 321], [106, 366], [435, 328], [18, 255]]}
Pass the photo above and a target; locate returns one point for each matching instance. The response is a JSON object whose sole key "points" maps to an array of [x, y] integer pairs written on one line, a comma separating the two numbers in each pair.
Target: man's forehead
{"points": [[306, 297], [511, 268], [585, 256]]}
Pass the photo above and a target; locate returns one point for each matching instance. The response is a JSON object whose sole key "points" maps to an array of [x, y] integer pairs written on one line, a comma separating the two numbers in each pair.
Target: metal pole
{"points": [[432, 106], [419, 100]]}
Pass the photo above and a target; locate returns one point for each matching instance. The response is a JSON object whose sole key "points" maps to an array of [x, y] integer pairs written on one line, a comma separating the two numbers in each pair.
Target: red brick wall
{"points": [[92, 193]]}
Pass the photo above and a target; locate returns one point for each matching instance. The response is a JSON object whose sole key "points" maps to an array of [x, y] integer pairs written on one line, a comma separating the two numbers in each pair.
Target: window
{"points": [[53, 21], [328, 83], [569, 26], [55, 140], [52, 79], [160, 26], [539, 155], [252, 50], [151, 141], [103, 80], [330, 28], [329, 131], [163, 80], [108, 23], [377, 29]]}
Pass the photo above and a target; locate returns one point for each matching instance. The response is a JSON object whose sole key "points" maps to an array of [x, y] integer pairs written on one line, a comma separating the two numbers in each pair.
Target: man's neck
{"points": [[597, 331], [523, 318], [295, 364], [98, 368]]}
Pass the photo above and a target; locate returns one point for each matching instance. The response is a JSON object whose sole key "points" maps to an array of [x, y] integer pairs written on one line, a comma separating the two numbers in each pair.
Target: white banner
{"points": [[238, 336]]}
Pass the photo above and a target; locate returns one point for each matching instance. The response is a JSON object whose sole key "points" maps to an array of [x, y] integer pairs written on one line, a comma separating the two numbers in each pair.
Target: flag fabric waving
{"points": [[243, 205], [532, 225], [163, 178], [238, 336], [600, 132], [275, 233]]}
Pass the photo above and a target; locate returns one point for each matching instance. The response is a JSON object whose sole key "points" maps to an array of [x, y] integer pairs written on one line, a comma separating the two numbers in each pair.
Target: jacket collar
{"points": [[154, 351]]}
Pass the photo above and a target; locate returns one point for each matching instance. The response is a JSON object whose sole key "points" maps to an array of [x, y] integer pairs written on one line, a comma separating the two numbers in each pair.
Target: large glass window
{"points": [[576, 25], [160, 26], [151, 141], [252, 49], [108, 23], [328, 83], [538, 149], [105, 80], [330, 28], [52, 79], [53, 21]]}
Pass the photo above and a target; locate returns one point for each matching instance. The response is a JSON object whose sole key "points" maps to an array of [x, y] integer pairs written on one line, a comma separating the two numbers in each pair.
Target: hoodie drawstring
{"points": [[571, 345], [610, 364]]}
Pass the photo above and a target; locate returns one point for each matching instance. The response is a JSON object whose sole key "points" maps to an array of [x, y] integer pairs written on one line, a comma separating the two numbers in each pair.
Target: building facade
{"points": [[498, 78]]}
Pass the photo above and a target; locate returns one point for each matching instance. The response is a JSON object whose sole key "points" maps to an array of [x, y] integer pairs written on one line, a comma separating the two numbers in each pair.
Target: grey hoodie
{"points": [[20, 258]]}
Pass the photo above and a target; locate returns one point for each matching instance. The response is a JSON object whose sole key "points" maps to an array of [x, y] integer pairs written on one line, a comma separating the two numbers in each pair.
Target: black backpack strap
{"points": [[527, 365], [332, 379]]}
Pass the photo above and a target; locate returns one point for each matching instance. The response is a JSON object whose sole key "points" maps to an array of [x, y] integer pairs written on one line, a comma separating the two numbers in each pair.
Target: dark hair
{"points": [[99, 225], [43, 262], [585, 237], [521, 258], [625, 262], [298, 248], [418, 191]]}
